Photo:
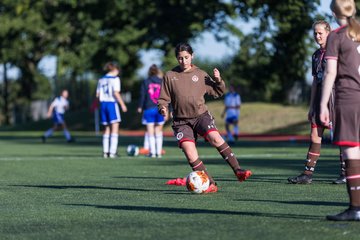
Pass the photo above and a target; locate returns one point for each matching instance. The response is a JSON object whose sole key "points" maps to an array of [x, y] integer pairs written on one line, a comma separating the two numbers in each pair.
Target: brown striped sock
{"points": [[352, 167], [198, 165], [227, 153], [312, 157]]}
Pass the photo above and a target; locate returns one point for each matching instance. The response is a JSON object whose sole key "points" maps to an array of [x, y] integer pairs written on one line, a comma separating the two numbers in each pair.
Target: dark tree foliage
{"points": [[84, 34], [272, 58]]}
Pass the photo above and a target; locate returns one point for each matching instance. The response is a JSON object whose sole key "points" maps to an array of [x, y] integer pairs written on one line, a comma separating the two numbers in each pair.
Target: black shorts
{"points": [[187, 129]]}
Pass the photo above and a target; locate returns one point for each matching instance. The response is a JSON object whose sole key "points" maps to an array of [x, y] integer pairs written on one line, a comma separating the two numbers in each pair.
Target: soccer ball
{"points": [[197, 182], [132, 150]]}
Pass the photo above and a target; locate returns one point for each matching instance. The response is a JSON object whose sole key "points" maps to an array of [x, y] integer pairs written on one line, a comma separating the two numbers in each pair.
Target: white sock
{"points": [[48, 133], [146, 140], [67, 134], [152, 144], [159, 143], [113, 143], [106, 143]]}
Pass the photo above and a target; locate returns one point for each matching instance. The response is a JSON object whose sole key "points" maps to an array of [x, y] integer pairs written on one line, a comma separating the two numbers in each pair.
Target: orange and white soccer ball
{"points": [[197, 182]]}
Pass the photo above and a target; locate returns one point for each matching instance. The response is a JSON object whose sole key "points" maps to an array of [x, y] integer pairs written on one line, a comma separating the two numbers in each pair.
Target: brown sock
{"points": [[312, 157], [226, 152], [352, 167], [198, 165]]}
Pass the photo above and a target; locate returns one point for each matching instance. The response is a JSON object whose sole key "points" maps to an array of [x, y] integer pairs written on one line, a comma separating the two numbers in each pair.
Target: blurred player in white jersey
{"points": [[232, 111], [57, 110], [108, 92]]}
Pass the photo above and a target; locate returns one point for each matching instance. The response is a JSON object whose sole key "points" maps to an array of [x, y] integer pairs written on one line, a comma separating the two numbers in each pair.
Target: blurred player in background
{"points": [[57, 110], [343, 69], [184, 88], [108, 92], [154, 121], [321, 30], [232, 104]]}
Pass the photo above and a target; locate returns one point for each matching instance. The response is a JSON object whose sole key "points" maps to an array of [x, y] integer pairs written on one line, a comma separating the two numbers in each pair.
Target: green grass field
{"points": [[68, 191]]}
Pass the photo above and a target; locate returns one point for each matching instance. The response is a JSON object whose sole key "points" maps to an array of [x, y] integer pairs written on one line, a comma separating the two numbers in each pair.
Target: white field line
{"points": [[239, 156]]}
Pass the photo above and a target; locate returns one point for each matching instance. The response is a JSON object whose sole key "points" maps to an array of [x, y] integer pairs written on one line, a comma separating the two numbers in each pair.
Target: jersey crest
{"points": [[195, 78]]}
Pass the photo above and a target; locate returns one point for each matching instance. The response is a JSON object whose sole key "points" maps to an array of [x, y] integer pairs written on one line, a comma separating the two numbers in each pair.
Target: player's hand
{"points": [[163, 111], [124, 108], [324, 115], [139, 110], [217, 76]]}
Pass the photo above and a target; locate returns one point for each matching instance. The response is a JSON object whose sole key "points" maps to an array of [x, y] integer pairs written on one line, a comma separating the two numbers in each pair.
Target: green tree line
{"points": [[84, 34]]}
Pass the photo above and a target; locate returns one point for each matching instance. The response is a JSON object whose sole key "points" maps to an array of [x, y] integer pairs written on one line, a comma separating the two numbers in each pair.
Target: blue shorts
{"points": [[109, 113], [232, 120], [152, 115], [58, 118]]}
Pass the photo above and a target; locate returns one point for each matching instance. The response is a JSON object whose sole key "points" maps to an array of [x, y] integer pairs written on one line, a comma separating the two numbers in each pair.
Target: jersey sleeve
{"points": [[213, 88], [164, 98], [116, 84], [332, 46]]}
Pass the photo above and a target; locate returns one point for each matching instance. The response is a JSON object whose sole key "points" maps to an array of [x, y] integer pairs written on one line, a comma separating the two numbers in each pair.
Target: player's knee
{"points": [[215, 139]]}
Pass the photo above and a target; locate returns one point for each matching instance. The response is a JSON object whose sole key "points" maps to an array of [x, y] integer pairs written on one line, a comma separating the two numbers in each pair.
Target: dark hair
{"points": [[183, 47], [109, 66], [153, 70]]}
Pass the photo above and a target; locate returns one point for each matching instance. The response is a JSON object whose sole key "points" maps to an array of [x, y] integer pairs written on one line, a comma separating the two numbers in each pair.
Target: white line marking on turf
{"points": [[217, 156]]}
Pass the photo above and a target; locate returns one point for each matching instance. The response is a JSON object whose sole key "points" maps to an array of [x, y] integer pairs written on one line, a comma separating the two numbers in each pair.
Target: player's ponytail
{"points": [[354, 29], [347, 9]]}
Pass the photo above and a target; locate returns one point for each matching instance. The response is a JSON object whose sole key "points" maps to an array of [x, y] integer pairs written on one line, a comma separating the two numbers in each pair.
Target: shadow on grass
{"points": [[311, 203], [199, 211], [60, 187]]}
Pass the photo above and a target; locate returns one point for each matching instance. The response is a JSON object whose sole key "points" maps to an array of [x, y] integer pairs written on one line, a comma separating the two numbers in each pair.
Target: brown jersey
{"points": [[185, 91], [347, 53], [347, 84]]}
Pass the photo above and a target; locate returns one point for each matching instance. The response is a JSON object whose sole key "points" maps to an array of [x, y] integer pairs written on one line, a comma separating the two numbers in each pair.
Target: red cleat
{"points": [[212, 189], [177, 182], [243, 174], [145, 151]]}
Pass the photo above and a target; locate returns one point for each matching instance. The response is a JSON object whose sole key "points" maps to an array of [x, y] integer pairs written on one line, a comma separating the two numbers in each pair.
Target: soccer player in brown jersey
{"points": [[343, 69], [184, 88], [321, 30]]}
